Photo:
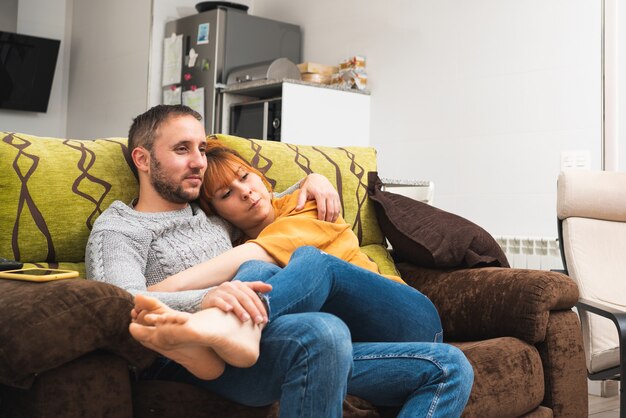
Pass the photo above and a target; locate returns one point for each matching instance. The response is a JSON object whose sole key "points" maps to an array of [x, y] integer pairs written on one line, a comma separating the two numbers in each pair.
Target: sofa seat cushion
{"points": [[539, 412], [45, 325], [54, 189], [158, 398], [508, 377], [508, 383], [93, 385]]}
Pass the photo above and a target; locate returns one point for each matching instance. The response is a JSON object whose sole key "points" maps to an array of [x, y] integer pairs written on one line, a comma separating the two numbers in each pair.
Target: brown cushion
{"points": [[45, 325], [508, 378], [430, 237]]}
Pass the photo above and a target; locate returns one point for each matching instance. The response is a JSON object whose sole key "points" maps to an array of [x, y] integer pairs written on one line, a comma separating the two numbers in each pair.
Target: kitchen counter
{"points": [[272, 88]]}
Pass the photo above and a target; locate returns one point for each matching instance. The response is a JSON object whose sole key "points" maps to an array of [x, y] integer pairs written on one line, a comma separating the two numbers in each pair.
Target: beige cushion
{"points": [[592, 205], [592, 194], [595, 252]]}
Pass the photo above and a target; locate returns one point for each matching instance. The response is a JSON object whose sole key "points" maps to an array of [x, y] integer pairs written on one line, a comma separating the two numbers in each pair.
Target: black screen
{"points": [[27, 66], [247, 120]]}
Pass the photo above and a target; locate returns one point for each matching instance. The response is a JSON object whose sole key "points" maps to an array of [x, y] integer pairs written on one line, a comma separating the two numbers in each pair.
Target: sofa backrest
{"points": [[52, 189]]}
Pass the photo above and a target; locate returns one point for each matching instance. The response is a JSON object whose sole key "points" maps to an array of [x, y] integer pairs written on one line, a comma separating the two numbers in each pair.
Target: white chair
{"points": [[591, 211]]}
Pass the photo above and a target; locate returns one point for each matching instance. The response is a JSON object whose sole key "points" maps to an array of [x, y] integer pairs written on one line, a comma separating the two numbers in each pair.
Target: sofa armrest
{"points": [[45, 325], [491, 302]]}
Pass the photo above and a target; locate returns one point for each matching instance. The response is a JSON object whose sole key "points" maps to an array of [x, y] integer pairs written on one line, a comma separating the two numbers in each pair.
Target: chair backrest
{"points": [[591, 208]]}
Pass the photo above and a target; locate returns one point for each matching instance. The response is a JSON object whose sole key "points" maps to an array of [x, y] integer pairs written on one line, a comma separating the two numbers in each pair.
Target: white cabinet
{"points": [[311, 114]]}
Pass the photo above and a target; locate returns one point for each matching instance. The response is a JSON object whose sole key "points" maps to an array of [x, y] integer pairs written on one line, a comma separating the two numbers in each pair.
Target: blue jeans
{"points": [[374, 307], [305, 362], [334, 329]]}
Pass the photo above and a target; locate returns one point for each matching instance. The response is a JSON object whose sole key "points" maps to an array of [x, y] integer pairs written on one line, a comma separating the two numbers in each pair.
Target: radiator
{"points": [[531, 252]]}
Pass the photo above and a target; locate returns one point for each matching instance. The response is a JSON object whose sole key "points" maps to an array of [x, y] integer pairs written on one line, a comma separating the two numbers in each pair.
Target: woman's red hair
{"points": [[223, 166]]}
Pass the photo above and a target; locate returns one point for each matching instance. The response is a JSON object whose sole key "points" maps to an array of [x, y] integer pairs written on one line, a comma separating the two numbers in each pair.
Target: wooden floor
{"points": [[603, 407]]}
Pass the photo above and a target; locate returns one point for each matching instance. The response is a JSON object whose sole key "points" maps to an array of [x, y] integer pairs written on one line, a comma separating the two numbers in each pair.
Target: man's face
{"points": [[177, 160]]}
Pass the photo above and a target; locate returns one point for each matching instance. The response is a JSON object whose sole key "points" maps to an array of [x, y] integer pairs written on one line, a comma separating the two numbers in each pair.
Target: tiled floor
{"points": [[603, 407]]}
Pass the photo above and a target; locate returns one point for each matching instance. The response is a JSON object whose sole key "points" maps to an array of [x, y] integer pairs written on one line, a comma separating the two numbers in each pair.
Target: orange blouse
{"points": [[292, 229]]}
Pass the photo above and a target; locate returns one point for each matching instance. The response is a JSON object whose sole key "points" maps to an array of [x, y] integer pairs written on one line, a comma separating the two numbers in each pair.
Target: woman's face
{"points": [[245, 202]]}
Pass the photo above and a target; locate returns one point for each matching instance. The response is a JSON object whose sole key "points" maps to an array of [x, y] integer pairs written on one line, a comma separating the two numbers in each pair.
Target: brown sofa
{"points": [[66, 351]]}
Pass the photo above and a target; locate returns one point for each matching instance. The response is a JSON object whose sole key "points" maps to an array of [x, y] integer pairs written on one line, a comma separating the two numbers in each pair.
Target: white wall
{"points": [[48, 19], [618, 88], [480, 96], [109, 66], [615, 85]]}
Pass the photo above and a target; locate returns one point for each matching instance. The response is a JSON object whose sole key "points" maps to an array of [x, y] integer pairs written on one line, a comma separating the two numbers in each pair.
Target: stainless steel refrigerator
{"points": [[213, 44]]}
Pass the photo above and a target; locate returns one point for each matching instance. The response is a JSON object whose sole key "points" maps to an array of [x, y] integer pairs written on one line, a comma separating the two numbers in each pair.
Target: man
{"points": [[307, 361]]}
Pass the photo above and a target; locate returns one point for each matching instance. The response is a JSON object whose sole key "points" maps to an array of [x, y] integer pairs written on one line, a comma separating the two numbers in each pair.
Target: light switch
{"points": [[575, 160]]}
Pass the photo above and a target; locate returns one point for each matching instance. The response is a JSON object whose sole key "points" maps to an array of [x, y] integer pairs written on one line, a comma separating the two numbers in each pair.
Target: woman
{"points": [[240, 194]]}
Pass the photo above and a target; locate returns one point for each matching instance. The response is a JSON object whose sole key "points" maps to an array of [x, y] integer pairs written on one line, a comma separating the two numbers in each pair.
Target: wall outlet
{"points": [[575, 160]]}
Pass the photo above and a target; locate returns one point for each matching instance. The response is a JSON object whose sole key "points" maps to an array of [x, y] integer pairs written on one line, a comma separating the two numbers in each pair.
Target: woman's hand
{"points": [[315, 186], [240, 298]]}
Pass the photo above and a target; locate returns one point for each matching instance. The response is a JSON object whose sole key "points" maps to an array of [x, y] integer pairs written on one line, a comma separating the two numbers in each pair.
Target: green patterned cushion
{"points": [[284, 164], [379, 254], [53, 190]]}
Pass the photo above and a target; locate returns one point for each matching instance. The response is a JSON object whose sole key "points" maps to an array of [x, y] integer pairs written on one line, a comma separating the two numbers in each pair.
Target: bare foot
{"points": [[236, 342], [202, 362]]}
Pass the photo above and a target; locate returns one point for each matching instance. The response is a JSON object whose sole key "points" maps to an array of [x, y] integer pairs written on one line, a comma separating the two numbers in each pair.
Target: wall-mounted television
{"points": [[27, 66]]}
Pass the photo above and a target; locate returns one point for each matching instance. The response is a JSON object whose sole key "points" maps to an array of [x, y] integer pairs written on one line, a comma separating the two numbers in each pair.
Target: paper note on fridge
{"points": [[195, 100], [172, 96], [172, 59]]}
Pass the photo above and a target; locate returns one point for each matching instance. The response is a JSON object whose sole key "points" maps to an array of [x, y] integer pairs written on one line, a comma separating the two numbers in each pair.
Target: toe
{"points": [[139, 332]]}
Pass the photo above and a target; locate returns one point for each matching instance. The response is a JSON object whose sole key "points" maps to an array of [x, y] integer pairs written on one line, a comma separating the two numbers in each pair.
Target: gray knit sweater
{"points": [[134, 250]]}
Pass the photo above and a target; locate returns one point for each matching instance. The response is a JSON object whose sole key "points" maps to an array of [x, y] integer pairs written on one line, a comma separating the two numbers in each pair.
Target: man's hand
{"points": [[316, 186], [239, 298]]}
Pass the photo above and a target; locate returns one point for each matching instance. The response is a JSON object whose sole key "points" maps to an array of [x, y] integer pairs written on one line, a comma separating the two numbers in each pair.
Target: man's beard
{"points": [[165, 186]]}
